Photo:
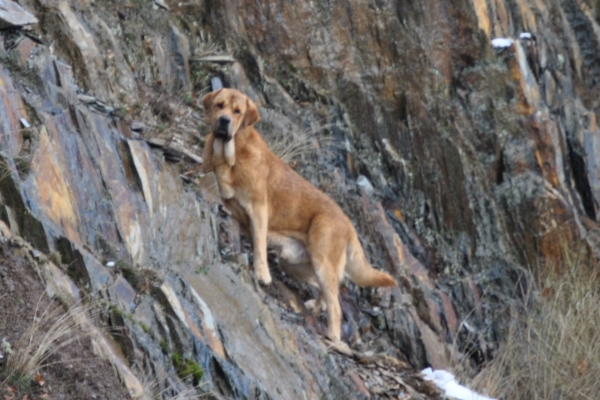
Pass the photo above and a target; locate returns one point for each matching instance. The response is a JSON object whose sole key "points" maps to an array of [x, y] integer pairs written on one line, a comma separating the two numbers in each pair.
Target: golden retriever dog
{"points": [[315, 240]]}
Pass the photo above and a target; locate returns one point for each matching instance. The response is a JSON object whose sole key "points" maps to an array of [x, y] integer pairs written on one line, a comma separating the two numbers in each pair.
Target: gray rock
{"points": [[216, 83], [13, 15], [85, 99], [137, 126], [162, 4]]}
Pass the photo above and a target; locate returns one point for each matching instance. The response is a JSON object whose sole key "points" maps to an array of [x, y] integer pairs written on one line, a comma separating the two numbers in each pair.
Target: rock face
{"points": [[474, 164], [486, 157]]}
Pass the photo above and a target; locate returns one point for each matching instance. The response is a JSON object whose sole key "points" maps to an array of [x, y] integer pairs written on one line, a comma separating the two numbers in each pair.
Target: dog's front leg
{"points": [[225, 181], [259, 215]]}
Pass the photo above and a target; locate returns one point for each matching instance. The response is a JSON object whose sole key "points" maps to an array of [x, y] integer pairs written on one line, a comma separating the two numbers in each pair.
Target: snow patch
{"points": [[446, 381], [365, 185], [502, 43], [526, 36]]}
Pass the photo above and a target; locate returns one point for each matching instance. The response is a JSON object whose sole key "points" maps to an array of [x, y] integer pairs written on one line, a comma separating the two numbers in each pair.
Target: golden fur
{"points": [[316, 241]]}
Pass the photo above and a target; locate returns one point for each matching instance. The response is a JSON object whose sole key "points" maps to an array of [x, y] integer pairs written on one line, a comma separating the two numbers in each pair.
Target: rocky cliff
{"points": [[465, 164]]}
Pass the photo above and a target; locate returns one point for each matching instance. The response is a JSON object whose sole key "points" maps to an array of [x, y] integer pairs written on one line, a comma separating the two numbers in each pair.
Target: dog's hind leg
{"points": [[328, 257], [316, 306], [329, 287]]}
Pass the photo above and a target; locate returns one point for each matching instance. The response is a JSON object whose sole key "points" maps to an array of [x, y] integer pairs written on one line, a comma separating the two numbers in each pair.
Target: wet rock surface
{"points": [[462, 165]]}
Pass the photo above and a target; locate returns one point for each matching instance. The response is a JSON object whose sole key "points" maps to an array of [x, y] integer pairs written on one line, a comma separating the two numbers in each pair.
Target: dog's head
{"points": [[229, 111]]}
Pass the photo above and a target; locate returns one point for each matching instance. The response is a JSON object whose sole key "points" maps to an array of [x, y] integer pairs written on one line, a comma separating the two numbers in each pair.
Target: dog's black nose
{"points": [[224, 120]]}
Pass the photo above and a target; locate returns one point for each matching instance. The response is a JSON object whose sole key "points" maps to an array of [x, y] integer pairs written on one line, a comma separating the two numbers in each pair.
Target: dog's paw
{"points": [[315, 306], [263, 275], [310, 304], [264, 278]]}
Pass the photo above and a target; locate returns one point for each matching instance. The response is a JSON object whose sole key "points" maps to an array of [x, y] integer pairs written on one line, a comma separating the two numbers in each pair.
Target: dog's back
{"points": [[294, 203]]}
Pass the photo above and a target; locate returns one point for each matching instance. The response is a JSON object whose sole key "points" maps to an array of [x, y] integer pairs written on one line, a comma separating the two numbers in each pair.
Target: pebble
{"points": [[137, 126], [85, 98]]}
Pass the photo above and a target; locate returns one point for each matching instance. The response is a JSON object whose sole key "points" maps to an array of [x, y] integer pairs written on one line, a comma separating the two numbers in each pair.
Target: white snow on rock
{"points": [[446, 381], [363, 182], [525, 36], [502, 43]]}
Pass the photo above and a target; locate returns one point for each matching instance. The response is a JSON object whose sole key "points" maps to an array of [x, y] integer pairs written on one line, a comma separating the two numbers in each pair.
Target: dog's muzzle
{"points": [[223, 128]]}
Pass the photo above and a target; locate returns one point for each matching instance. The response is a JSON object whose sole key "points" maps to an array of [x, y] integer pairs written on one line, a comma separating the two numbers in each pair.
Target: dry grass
{"points": [[552, 349], [49, 333], [150, 382], [5, 169], [296, 143]]}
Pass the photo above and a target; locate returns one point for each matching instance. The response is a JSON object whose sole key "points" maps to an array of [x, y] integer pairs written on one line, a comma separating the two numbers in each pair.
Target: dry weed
{"points": [[5, 169], [297, 142], [552, 348], [150, 382], [47, 335]]}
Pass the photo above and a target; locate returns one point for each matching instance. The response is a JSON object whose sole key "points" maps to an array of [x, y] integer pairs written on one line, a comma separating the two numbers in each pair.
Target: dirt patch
{"points": [[71, 372]]}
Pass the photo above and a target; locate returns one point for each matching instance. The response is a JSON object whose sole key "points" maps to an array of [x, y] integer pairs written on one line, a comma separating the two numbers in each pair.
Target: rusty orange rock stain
{"points": [[398, 214], [53, 191], [205, 336], [483, 16]]}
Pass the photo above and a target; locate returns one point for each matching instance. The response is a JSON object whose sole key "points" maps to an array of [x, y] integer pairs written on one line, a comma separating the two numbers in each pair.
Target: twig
{"points": [[224, 58], [167, 145]]}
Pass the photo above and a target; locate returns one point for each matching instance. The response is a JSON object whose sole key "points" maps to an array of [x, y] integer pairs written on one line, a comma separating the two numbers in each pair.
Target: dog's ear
{"points": [[208, 99], [252, 116]]}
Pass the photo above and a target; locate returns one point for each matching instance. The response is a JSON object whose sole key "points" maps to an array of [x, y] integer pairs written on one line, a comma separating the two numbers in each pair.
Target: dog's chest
{"points": [[236, 173], [225, 181]]}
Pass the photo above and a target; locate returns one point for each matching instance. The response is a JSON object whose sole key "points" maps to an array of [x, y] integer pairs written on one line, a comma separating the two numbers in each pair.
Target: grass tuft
{"points": [[187, 368], [294, 143], [47, 335], [552, 348]]}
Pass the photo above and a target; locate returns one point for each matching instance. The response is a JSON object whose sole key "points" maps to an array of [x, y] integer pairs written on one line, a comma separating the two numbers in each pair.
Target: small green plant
{"points": [[123, 314], [148, 331], [161, 127], [164, 346], [22, 382], [202, 270], [121, 111], [136, 108], [187, 367], [131, 274], [176, 358], [194, 187], [188, 100]]}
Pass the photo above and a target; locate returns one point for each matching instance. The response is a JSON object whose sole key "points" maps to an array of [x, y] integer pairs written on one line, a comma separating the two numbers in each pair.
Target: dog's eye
{"points": [[236, 111], [220, 106]]}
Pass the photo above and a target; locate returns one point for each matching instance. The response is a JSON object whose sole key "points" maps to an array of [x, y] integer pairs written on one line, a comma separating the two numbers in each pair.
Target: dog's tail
{"points": [[359, 269]]}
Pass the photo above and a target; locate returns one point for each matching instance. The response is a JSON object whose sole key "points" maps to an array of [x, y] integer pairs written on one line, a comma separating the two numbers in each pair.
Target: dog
{"points": [[315, 241]]}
